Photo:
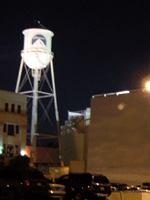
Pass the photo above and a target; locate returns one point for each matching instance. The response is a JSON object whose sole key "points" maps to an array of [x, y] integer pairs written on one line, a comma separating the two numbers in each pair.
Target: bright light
{"points": [[145, 83], [121, 106], [123, 92], [1, 149], [22, 152], [148, 85]]}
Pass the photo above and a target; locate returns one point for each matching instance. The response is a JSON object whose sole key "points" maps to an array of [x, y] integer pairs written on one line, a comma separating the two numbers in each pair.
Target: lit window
{"points": [[16, 149], [4, 148], [10, 150]]}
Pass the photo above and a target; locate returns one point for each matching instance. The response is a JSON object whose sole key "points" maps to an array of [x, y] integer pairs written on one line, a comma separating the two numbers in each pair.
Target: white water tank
{"points": [[37, 47]]}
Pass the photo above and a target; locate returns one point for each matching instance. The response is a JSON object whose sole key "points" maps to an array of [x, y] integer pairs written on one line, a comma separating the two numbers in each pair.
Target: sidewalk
{"points": [[129, 196]]}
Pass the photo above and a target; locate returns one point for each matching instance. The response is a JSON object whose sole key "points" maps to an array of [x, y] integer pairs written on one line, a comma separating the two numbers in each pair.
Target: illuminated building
{"points": [[13, 124], [119, 135]]}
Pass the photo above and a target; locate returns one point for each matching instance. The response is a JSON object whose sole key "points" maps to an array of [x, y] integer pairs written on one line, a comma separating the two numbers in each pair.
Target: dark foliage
{"points": [[20, 161], [1, 161]]}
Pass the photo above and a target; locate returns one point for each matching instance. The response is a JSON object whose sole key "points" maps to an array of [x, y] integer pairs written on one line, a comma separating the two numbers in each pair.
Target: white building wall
{"points": [[16, 118]]}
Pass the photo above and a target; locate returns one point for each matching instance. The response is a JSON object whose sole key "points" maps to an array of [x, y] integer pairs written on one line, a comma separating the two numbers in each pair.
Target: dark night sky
{"points": [[99, 46]]}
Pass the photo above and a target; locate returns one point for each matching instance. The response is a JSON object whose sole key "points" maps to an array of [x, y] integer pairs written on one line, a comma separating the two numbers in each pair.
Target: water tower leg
{"points": [[56, 106], [34, 118], [19, 76]]}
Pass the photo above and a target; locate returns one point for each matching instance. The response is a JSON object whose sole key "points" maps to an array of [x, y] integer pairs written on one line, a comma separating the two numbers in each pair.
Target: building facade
{"points": [[118, 136], [13, 124], [73, 137]]}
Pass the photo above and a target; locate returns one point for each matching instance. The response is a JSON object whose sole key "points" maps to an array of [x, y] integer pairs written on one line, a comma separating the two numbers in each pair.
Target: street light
{"points": [[148, 85]]}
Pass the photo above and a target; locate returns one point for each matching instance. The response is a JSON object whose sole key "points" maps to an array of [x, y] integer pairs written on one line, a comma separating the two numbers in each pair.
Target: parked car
{"points": [[146, 185], [114, 186], [119, 187], [18, 183], [58, 190], [135, 187], [85, 186]]}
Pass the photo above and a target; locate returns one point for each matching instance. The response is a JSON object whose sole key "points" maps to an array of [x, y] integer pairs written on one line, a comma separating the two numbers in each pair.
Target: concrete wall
{"points": [[72, 144], [119, 136], [76, 166], [129, 196], [56, 172], [73, 139]]}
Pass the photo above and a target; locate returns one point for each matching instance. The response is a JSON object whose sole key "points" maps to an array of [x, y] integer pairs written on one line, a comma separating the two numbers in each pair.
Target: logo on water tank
{"points": [[39, 37]]}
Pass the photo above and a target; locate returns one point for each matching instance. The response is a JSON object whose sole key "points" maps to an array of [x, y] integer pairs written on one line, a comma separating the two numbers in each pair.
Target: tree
{"points": [[20, 161], [1, 161]]}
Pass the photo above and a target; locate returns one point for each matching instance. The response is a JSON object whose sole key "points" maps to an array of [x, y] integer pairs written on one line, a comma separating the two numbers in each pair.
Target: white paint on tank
{"points": [[37, 47]]}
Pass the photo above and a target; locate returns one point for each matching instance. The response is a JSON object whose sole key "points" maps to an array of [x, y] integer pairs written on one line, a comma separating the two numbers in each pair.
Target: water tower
{"points": [[37, 61]]}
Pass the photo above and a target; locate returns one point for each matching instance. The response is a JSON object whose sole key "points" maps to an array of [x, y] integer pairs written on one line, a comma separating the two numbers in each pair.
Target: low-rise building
{"points": [[118, 136], [73, 139], [13, 124]]}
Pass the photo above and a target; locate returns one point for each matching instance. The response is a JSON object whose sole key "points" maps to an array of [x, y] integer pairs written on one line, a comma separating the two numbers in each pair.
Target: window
{"points": [[10, 129], [19, 109], [6, 107], [16, 150], [10, 150], [4, 128], [12, 107], [17, 128], [4, 148]]}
